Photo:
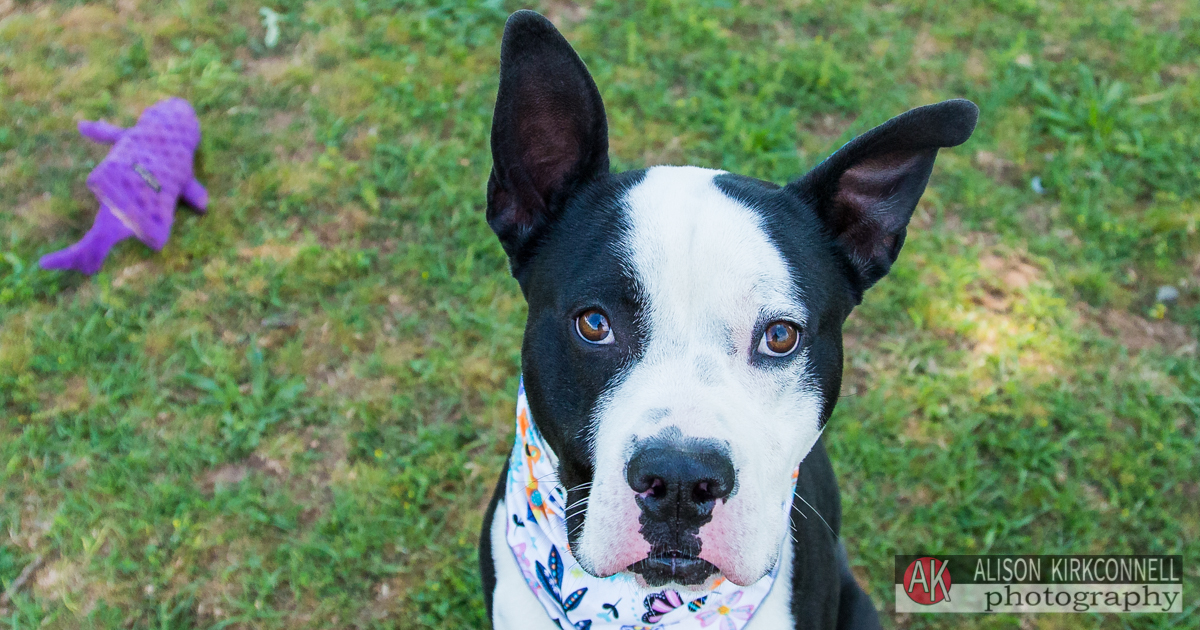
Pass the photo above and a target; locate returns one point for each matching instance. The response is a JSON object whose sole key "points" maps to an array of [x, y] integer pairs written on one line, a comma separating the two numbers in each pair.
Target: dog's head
{"points": [[683, 348]]}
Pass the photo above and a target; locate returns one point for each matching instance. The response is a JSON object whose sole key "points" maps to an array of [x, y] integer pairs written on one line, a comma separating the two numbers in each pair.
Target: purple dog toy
{"points": [[138, 183]]}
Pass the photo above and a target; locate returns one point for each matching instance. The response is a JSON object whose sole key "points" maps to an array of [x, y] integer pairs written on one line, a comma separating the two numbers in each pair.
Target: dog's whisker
{"points": [[798, 496], [544, 477], [571, 532], [582, 486], [585, 497]]}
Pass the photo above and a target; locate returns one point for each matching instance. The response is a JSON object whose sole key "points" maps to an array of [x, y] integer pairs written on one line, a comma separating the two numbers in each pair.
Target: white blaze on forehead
{"points": [[701, 257], [708, 274]]}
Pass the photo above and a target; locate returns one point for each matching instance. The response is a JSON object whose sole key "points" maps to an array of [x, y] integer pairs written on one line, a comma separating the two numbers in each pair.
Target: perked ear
{"points": [[865, 193], [549, 133]]}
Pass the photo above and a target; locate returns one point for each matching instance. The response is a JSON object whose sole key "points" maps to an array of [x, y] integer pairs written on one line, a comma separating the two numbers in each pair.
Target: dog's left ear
{"points": [[549, 132], [865, 193]]}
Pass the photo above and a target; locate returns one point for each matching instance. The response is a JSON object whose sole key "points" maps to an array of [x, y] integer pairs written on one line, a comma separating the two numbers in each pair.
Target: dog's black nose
{"points": [[680, 484]]}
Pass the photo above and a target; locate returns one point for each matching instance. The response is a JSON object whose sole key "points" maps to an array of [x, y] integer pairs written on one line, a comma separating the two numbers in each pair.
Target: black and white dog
{"points": [[683, 349]]}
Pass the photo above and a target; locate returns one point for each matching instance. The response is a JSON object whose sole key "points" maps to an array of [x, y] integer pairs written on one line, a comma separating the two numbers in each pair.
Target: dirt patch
{"points": [[271, 69], [40, 219], [86, 22], [1180, 72], [828, 127], [65, 580], [268, 465], [400, 305], [926, 46], [564, 12], [818, 135], [976, 66], [334, 450], [346, 222], [996, 167], [920, 496], [127, 8], [1137, 333], [281, 122], [669, 153], [235, 473], [296, 143], [227, 475], [71, 399], [1041, 218], [136, 275], [1010, 275], [1014, 271], [362, 143], [1165, 14], [277, 252], [62, 575]]}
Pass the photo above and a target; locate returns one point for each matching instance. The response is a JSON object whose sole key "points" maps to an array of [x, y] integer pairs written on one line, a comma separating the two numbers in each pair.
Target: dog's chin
{"points": [[683, 574], [685, 571]]}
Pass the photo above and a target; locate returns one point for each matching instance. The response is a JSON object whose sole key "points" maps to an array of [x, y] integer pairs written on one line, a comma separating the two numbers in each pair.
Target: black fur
{"points": [[865, 193], [549, 132], [556, 210], [564, 375]]}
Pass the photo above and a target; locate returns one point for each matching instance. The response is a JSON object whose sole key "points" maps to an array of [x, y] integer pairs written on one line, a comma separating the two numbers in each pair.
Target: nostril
{"points": [[653, 487], [708, 490]]}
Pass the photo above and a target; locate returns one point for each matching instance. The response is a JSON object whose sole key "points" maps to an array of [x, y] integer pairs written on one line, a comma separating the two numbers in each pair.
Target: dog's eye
{"points": [[780, 339], [593, 326]]}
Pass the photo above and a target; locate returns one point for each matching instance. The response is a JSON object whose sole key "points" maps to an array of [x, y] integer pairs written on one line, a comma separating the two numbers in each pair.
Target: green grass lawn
{"points": [[293, 416]]}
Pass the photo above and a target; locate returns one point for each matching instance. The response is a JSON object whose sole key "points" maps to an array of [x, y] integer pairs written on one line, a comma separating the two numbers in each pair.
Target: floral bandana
{"points": [[537, 535]]}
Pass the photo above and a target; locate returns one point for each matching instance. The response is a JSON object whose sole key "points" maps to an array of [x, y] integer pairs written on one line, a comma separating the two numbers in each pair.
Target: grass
{"points": [[293, 415]]}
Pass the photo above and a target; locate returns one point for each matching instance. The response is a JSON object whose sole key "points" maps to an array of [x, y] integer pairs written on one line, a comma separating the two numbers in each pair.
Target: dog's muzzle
{"points": [[677, 486]]}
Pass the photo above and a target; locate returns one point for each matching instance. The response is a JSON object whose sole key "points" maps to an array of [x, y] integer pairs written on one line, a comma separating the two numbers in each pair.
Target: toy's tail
{"points": [[88, 254], [100, 131]]}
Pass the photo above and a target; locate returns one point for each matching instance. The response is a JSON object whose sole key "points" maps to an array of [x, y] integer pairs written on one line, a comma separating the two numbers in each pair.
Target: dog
{"points": [[682, 354]]}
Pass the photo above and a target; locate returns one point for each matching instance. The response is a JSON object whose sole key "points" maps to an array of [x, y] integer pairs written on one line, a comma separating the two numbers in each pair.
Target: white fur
{"points": [[709, 274], [514, 606], [775, 612]]}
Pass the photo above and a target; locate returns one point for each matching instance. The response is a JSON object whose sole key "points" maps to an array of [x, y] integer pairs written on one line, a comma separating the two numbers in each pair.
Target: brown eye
{"points": [[779, 339], [593, 326]]}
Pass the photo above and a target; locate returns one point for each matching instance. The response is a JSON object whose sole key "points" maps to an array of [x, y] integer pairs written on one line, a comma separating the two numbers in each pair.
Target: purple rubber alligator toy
{"points": [[138, 183]]}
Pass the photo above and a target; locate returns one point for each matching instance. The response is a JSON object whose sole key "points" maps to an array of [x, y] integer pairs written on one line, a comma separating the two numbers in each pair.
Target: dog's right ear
{"points": [[549, 133]]}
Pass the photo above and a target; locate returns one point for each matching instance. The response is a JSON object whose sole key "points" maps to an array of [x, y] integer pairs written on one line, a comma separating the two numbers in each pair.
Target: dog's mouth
{"points": [[666, 566]]}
